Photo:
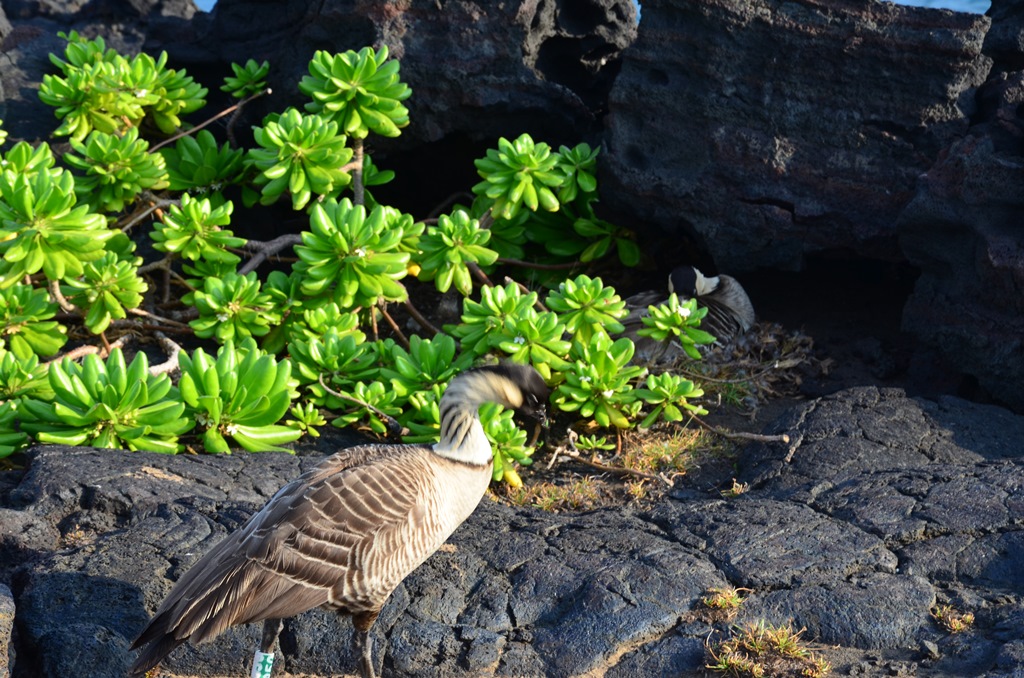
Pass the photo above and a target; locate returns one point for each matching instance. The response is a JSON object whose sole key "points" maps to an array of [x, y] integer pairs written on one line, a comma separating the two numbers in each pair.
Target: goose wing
{"points": [[309, 543]]}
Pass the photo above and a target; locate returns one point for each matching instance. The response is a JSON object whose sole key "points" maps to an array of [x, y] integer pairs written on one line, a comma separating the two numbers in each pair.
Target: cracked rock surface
{"points": [[887, 507]]}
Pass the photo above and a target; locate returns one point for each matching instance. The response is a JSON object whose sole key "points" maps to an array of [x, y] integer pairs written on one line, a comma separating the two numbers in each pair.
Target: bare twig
{"points": [[89, 349], [155, 204], [443, 206], [539, 267], [419, 318], [478, 273], [172, 350], [58, 296], [193, 130], [621, 470], [358, 190], [264, 249], [159, 319], [402, 339], [741, 435]]}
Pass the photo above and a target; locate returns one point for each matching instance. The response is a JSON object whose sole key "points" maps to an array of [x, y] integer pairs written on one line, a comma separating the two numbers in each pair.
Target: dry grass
{"points": [[951, 619], [761, 649]]}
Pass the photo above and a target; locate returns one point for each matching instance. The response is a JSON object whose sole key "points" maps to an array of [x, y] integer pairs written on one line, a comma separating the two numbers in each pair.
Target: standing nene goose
{"points": [[347, 532]]}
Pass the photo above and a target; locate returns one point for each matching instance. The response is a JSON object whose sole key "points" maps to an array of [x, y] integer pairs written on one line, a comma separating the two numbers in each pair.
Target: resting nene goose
{"points": [[729, 315], [347, 532]]}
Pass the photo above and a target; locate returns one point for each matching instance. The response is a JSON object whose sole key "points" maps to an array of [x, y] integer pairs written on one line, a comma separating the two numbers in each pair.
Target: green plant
{"points": [[353, 254], [602, 235], [360, 90], [195, 230], [241, 394], [3, 133], [102, 90], [951, 619], [247, 80], [519, 173], [447, 249], [597, 382], [233, 307], [341, 360], [586, 306], [195, 163], [117, 169], [761, 649], [303, 154], [579, 166], [105, 404], [11, 439], [307, 415], [367, 402], [23, 158], [725, 598], [508, 443], [594, 444], [483, 322], [668, 393], [427, 363], [42, 229], [23, 378], [107, 287], [535, 338], [678, 321], [25, 323]]}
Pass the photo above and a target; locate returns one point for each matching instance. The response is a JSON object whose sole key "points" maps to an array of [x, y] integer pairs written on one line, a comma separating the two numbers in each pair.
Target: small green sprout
{"points": [[247, 80], [307, 415], [951, 619]]}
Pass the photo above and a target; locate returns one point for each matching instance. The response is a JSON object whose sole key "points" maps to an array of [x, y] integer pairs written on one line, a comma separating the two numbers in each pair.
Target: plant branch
{"points": [[621, 470], [395, 430], [265, 249], [226, 111], [540, 267], [172, 350], [58, 296], [155, 204], [402, 339], [358, 190], [741, 435], [419, 318]]}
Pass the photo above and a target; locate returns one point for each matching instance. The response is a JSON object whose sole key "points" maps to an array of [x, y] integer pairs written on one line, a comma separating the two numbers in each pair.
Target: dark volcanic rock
{"points": [[888, 506], [765, 129]]}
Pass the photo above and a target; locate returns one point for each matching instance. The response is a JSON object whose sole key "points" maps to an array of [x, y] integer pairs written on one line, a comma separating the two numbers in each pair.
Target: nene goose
{"points": [[729, 315], [347, 532]]}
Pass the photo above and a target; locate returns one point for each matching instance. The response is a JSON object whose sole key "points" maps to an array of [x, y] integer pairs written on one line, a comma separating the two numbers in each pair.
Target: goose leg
{"points": [[263, 661], [363, 643]]}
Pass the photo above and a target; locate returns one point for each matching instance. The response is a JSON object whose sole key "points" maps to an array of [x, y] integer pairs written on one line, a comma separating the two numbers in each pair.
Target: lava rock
{"points": [[762, 130]]}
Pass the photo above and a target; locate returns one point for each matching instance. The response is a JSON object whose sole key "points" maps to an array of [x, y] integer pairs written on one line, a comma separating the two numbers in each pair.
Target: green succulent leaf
{"points": [[240, 394], [301, 154], [447, 249], [195, 230], [25, 324], [105, 290], [352, 255], [247, 80], [108, 404], [361, 91]]}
